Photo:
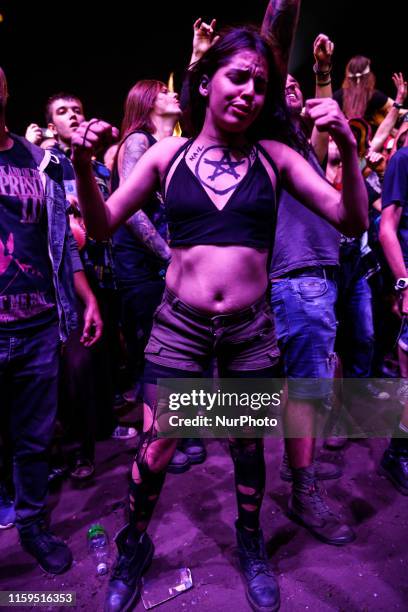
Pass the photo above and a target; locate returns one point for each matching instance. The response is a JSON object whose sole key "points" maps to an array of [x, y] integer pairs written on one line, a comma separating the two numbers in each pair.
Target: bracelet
{"points": [[322, 83], [398, 105], [91, 123], [323, 73]]}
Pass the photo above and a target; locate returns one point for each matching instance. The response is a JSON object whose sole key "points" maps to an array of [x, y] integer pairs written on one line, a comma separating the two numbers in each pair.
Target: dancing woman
{"points": [[221, 206]]}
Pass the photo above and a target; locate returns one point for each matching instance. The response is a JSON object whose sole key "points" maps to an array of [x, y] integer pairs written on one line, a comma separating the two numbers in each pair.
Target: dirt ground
{"points": [[193, 527]]}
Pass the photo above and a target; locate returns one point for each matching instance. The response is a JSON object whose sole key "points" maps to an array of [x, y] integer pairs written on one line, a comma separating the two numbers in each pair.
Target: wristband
{"points": [[322, 73], [322, 83]]}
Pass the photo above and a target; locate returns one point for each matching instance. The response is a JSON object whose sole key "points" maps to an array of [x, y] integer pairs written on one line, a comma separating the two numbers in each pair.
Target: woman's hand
{"points": [[323, 50], [204, 36], [401, 87], [327, 117], [89, 137]]}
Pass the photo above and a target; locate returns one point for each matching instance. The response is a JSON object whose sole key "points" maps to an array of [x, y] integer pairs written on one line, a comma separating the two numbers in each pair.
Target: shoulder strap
{"points": [[269, 160], [183, 147]]}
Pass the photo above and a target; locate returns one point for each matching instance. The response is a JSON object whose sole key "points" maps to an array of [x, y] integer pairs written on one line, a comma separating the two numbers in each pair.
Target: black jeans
{"points": [[87, 381], [28, 390], [138, 304]]}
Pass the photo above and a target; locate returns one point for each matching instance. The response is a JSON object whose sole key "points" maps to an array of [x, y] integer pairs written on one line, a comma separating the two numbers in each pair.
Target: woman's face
{"points": [[166, 103], [236, 92]]}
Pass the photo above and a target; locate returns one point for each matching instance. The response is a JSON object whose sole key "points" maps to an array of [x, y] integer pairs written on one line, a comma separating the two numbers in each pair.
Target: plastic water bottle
{"points": [[98, 547]]}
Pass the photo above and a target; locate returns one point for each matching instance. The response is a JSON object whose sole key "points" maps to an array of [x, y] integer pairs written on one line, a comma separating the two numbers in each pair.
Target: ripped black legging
{"points": [[154, 454]]}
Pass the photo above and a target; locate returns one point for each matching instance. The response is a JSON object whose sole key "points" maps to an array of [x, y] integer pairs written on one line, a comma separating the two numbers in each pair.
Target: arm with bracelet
{"points": [[323, 49], [390, 120]]}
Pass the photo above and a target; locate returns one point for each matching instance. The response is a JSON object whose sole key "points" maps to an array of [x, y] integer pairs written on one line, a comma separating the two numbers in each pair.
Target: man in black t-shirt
{"points": [[39, 264], [394, 240]]}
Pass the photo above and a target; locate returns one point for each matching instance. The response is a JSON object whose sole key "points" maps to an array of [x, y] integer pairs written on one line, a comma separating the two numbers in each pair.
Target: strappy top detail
{"points": [[247, 219]]}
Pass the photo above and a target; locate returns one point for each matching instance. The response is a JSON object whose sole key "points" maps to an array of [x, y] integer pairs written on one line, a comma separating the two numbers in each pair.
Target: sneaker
{"points": [[52, 554], [122, 432], [179, 463], [394, 465], [402, 393], [308, 508], [262, 587], [377, 393], [7, 513], [194, 449], [135, 554]]}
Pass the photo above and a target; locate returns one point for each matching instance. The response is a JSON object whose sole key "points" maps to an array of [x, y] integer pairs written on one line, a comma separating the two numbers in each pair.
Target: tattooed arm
{"points": [[139, 223], [279, 26]]}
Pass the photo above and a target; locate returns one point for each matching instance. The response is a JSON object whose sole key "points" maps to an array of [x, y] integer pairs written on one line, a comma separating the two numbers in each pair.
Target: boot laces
{"points": [[317, 494], [257, 563], [44, 540]]}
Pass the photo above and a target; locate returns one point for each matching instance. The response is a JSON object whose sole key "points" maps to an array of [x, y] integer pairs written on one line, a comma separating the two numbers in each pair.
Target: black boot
{"points": [[262, 587], [323, 470], [394, 464], [134, 558], [308, 508], [52, 554]]}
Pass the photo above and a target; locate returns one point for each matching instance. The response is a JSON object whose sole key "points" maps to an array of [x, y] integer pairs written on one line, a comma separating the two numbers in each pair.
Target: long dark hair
{"points": [[273, 121]]}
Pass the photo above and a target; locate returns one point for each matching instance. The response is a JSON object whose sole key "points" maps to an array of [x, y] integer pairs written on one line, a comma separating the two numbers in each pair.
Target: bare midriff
{"points": [[218, 279]]}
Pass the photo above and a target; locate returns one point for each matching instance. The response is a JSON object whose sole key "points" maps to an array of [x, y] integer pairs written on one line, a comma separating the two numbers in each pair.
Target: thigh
{"points": [[179, 339], [360, 311], [250, 345], [5, 381], [35, 390], [308, 348]]}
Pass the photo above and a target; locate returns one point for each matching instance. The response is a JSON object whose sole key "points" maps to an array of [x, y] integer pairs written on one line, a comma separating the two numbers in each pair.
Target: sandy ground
{"points": [[193, 527]]}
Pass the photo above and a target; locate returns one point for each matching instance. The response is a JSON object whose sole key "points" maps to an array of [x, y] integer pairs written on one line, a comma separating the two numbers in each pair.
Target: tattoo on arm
{"points": [[134, 147], [139, 223], [144, 230], [279, 26]]}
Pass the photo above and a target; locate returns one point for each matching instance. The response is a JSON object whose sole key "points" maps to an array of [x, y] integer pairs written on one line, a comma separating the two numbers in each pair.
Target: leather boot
{"points": [[323, 470], [135, 553], [394, 464], [308, 508], [262, 587]]}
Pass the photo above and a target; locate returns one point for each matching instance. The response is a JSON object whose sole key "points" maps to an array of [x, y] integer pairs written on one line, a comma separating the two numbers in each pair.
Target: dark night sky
{"points": [[100, 52]]}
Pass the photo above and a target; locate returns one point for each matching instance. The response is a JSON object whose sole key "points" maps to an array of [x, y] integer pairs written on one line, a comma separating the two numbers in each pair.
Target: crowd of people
{"points": [[267, 240]]}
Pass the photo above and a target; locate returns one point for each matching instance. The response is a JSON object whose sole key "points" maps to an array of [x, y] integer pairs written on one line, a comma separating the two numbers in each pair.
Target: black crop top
{"points": [[247, 219]]}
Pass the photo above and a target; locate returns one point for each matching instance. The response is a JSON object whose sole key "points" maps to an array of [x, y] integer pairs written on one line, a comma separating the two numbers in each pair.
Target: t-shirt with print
{"points": [[27, 297], [96, 255], [395, 191]]}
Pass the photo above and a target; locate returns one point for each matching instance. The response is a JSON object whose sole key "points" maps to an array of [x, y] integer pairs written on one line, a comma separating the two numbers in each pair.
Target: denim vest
{"points": [[62, 248]]}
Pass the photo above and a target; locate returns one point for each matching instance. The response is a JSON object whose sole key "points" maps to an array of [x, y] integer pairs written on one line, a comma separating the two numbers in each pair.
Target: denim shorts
{"points": [[304, 310], [185, 338]]}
